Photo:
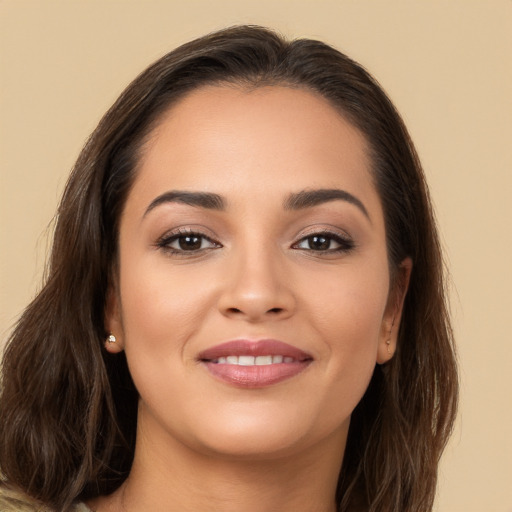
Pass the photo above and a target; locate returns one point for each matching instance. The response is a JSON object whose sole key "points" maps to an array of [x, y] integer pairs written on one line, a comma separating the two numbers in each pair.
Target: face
{"points": [[253, 291]]}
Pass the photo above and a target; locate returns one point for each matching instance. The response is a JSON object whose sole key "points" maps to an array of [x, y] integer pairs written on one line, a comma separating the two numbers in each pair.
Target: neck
{"points": [[171, 476]]}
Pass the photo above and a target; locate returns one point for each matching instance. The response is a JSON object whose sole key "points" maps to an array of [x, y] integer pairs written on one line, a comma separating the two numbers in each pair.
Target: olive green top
{"points": [[81, 507], [14, 501]]}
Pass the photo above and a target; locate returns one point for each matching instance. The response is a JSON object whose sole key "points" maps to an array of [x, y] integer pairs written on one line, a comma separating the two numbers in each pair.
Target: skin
{"points": [[204, 444]]}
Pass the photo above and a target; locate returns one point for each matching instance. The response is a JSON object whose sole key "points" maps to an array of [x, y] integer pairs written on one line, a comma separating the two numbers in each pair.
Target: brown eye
{"points": [[190, 242], [319, 243], [325, 242], [180, 243]]}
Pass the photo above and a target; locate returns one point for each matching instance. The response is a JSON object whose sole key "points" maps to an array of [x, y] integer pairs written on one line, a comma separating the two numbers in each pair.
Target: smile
{"points": [[254, 360], [254, 364]]}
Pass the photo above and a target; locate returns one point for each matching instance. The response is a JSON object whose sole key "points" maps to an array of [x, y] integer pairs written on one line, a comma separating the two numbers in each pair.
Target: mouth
{"points": [[254, 364], [254, 360]]}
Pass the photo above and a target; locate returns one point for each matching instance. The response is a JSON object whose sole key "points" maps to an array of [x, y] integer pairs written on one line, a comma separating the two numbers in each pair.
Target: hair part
{"points": [[68, 408]]}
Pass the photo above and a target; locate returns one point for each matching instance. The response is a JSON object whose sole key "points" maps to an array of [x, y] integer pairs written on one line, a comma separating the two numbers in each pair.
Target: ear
{"points": [[393, 313], [114, 341]]}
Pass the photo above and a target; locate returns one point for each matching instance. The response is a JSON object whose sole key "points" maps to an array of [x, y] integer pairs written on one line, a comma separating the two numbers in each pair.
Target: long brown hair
{"points": [[68, 408]]}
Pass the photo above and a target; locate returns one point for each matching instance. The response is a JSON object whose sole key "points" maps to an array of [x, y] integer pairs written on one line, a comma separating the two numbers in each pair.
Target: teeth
{"points": [[261, 360], [246, 360], [253, 361]]}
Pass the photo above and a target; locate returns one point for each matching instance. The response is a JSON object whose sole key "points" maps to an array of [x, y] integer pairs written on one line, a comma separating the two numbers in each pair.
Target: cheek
{"points": [[349, 305], [348, 319], [161, 307]]}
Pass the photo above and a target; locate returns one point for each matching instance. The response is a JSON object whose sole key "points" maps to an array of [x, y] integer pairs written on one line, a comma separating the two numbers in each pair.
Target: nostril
{"points": [[272, 310]]}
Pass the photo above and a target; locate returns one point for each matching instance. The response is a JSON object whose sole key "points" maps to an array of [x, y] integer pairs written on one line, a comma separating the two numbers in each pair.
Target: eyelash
{"points": [[345, 243], [165, 242]]}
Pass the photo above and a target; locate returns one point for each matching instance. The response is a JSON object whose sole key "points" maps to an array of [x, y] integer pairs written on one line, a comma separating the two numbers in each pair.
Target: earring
{"points": [[388, 342], [111, 338]]}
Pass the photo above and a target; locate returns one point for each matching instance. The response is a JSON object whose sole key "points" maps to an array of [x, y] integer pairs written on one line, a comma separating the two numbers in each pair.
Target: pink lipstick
{"points": [[254, 364]]}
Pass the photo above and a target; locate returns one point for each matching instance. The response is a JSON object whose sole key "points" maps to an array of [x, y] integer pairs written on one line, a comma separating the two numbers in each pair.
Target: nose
{"points": [[257, 288]]}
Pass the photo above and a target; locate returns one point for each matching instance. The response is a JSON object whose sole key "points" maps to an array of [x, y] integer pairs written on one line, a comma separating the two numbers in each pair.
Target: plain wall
{"points": [[447, 65]]}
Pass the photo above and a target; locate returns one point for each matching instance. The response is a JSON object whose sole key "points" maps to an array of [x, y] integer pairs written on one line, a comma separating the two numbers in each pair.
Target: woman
{"points": [[245, 305]]}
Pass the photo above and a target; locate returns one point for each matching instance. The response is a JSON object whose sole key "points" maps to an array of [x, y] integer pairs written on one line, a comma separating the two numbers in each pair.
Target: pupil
{"points": [[190, 243], [319, 243]]}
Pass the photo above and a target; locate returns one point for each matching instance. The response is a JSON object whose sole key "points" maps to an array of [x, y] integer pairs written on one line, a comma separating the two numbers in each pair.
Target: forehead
{"points": [[232, 140]]}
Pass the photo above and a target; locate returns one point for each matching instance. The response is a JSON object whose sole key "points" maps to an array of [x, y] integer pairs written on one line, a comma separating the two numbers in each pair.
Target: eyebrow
{"points": [[310, 198], [296, 201], [205, 200]]}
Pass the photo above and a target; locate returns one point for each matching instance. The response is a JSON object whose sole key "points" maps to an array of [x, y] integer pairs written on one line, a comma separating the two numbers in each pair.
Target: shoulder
{"points": [[80, 507], [15, 501]]}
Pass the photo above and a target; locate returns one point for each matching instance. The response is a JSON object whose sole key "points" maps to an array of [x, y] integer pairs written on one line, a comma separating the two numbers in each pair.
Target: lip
{"points": [[254, 376]]}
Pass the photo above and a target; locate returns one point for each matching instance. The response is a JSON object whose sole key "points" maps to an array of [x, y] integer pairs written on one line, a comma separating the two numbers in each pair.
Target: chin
{"points": [[266, 436]]}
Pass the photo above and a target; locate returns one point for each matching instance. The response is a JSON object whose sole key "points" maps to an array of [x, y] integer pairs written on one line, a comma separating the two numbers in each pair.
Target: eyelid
{"points": [[174, 234], [339, 236], [324, 230]]}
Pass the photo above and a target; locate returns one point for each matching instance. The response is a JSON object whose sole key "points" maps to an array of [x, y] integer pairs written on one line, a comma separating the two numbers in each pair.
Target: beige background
{"points": [[447, 66]]}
